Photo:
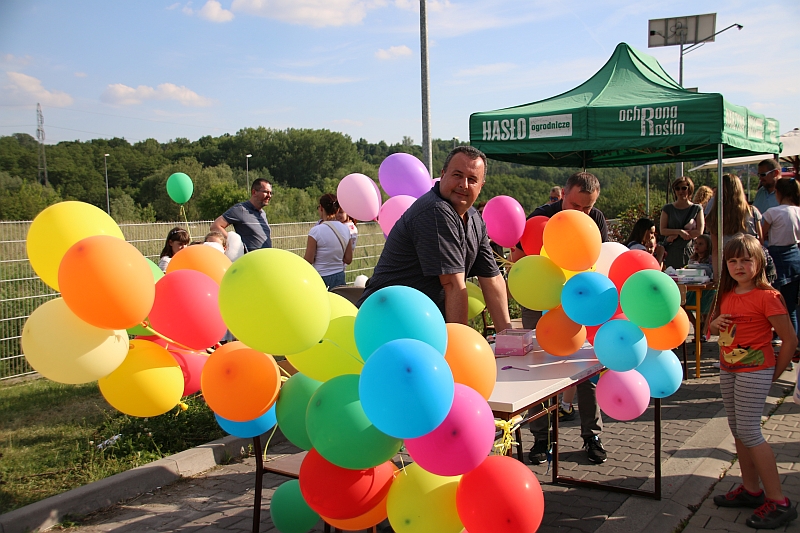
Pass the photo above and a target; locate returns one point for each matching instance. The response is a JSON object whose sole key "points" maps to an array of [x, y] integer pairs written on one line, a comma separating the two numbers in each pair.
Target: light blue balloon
{"points": [[398, 312], [251, 428], [406, 388], [620, 345], [589, 298], [663, 372]]}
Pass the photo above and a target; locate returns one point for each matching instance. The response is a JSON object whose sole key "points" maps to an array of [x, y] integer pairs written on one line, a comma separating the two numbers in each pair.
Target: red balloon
{"points": [[629, 263], [192, 364], [531, 239], [591, 331], [500, 495], [186, 309], [340, 493]]}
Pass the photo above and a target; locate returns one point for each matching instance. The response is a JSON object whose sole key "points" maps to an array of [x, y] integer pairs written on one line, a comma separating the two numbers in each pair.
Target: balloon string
{"points": [[186, 220], [507, 440], [157, 334], [356, 357], [288, 375], [264, 456], [502, 260]]}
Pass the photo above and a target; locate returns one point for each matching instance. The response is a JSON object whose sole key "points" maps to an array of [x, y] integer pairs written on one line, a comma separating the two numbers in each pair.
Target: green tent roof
{"points": [[631, 112]]}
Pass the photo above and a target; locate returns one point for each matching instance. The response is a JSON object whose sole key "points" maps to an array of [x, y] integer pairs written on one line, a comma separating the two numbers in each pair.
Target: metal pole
{"points": [[718, 207], [679, 166], [427, 148], [647, 180], [108, 202]]}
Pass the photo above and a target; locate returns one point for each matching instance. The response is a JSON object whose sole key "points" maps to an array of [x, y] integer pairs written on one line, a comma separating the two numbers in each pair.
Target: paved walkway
{"points": [[697, 463]]}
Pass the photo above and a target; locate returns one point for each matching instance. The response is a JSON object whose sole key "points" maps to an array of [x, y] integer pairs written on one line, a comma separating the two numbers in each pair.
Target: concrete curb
{"points": [[95, 496]]}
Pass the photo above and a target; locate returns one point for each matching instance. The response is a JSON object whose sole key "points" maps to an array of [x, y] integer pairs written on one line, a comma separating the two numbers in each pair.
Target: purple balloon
{"points": [[462, 441], [404, 174]]}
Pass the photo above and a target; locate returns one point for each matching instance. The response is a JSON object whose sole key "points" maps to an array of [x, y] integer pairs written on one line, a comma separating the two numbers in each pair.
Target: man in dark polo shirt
{"points": [[441, 240], [580, 193], [248, 218]]}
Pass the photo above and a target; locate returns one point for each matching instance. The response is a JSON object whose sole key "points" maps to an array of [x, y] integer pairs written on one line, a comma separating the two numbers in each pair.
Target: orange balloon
{"points": [[374, 516], [670, 335], [471, 359], [240, 385], [205, 259], [572, 240], [106, 282], [558, 335]]}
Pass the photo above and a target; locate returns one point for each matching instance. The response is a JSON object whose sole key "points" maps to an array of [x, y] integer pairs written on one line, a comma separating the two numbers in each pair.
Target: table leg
{"points": [[259, 484], [698, 346]]}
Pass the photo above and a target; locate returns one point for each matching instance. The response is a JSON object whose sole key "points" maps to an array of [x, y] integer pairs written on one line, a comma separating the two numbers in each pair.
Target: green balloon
{"points": [[289, 511], [157, 275], [180, 187], [650, 299], [340, 430], [291, 409], [475, 301]]}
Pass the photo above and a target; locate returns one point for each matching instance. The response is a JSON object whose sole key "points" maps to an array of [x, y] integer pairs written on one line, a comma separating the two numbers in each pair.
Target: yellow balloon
{"points": [[475, 301], [275, 302], [335, 355], [569, 273], [64, 348], [57, 228], [536, 282], [148, 383], [341, 306], [421, 502]]}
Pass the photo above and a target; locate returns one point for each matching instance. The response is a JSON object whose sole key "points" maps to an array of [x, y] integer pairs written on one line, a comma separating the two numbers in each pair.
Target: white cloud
{"points": [[486, 70], [187, 9], [314, 80], [11, 59], [27, 89], [120, 94], [214, 12], [176, 5], [80, 74], [393, 52], [315, 13]]}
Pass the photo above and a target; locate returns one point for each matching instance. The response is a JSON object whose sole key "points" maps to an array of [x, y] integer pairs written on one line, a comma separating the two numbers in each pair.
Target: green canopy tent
{"points": [[631, 112]]}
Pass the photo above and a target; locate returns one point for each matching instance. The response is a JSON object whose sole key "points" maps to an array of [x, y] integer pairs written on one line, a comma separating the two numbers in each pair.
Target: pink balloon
{"points": [[191, 364], [505, 220], [462, 441], [392, 210], [623, 395], [186, 309], [356, 195], [404, 174]]}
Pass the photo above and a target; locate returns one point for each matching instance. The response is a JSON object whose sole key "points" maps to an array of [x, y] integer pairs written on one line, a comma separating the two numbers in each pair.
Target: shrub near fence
{"points": [[21, 290]]}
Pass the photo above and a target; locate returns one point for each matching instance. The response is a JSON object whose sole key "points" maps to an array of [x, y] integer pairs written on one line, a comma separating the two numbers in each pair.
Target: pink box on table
{"points": [[513, 342]]}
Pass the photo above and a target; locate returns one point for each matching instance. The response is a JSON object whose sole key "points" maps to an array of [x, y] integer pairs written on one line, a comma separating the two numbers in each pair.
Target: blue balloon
{"points": [[251, 428], [663, 372], [589, 298], [398, 312], [620, 345], [406, 388]]}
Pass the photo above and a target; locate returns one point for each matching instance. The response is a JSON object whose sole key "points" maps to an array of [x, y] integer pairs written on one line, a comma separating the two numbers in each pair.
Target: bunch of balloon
{"points": [[107, 287], [404, 178]]}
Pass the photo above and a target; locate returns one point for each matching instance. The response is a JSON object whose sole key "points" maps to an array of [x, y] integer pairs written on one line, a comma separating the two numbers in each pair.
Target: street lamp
{"points": [[105, 165], [247, 163]]}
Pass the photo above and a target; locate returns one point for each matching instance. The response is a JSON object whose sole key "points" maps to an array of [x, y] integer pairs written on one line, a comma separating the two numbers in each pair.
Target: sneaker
{"points": [[739, 497], [538, 453], [594, 448], [796, 357], [771, 515], [565, 415]]}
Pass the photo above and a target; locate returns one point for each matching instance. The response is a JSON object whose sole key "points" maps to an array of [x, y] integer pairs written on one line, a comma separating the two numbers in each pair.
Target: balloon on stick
{"points": [[422, 501], [180, 187], [650, 299], [623, 395], [531, 239], [356, 195], [536, 282], [404, 174], [572, 240], [505, 220]]}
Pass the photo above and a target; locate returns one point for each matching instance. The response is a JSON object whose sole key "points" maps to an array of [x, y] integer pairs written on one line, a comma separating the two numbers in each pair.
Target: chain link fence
{"points": [[21, 290]]}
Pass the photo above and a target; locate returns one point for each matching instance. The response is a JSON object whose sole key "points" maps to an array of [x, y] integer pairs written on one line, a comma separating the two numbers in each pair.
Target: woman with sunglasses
{"points": [[556, 193], [681, 221]]}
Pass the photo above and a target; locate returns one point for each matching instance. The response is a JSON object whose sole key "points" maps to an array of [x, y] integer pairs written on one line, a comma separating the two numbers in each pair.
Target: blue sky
{"points": [[164, 69]]}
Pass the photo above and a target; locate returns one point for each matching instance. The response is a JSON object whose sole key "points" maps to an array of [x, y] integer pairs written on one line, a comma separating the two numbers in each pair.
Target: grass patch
{"points": [[52, 435]]}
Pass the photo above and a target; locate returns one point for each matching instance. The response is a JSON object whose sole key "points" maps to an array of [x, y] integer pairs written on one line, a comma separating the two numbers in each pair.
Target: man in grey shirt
{"points": [[441, 240], [248, 218]]}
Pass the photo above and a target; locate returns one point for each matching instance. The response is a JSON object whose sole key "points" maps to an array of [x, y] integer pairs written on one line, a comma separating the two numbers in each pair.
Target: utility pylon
{"points": [[40, 137]]}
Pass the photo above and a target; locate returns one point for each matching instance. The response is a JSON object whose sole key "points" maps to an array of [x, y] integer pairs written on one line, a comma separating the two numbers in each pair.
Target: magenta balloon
{"points": [[186, 309], [623, 395], [404, 174], [462, 441], [191, 364], [505, 220], [356, 195], [392, 210]]}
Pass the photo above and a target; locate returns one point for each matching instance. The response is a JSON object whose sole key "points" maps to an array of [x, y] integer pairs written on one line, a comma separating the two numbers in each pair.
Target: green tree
{"points": [[23, 200], [217, 198]]}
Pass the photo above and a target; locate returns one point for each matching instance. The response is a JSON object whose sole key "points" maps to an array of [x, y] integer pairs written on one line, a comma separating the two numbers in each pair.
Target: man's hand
{"points": [[496, 298]]}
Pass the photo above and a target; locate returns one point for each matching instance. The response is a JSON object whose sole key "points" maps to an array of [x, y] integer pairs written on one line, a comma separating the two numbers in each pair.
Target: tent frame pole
{"points": [[718, 207]]}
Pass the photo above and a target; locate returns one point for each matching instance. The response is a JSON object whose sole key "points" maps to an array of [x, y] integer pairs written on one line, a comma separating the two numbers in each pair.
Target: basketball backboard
{"points": [[682, 30]]}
